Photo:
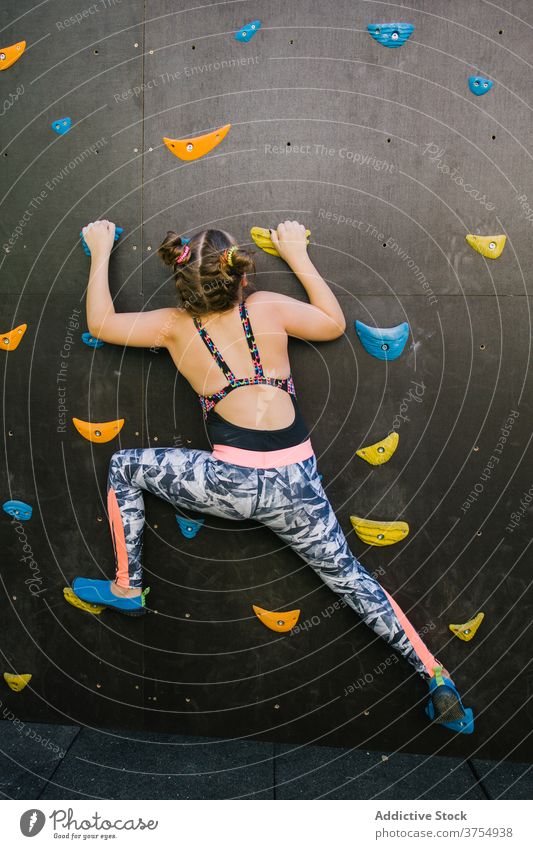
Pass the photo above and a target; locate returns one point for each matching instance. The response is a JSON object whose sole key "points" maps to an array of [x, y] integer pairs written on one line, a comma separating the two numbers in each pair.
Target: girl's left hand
{"points": [[100, 237]]}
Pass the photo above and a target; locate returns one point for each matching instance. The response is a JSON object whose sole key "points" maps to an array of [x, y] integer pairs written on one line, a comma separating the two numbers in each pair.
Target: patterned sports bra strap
{"points": [[250, 338], [213, 350]]}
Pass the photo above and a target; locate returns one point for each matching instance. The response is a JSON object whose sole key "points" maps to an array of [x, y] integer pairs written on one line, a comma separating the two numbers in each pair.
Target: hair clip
{"points": [[184, 255], [228, 253]]}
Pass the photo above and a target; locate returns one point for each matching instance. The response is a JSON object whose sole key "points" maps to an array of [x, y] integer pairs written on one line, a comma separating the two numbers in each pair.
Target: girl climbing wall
{"points": [[233, 350]]}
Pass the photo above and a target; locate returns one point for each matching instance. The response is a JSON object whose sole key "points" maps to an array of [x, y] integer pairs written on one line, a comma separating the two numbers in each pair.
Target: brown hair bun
{"points": [[170, 248]]}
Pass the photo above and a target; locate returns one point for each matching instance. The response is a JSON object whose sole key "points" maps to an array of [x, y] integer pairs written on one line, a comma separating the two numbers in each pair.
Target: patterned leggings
{"points": [[289, 499]]}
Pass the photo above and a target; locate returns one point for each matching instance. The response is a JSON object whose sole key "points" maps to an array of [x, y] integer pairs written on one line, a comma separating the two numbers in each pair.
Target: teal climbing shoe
{"points": [[445, 706], [99, 592]]}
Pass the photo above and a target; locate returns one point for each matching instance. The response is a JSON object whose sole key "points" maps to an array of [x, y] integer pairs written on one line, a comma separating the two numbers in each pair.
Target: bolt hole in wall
{"points": [[96, 52], [482, 346]]}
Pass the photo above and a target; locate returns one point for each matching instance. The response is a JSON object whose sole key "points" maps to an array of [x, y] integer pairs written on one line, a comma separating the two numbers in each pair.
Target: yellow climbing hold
{"points": [[10, 341], [261, 237], [73, 599], [277, 621], [380, 452], [16, 682], [489, 246], [379, 533], [468, 629]]}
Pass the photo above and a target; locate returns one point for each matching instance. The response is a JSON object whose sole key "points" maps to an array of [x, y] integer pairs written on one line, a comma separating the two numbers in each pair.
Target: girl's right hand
{"points": [[290, 241], [99, 237]]}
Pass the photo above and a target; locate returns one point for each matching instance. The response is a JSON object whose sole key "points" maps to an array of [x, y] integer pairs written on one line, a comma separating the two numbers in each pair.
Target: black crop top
{"points": [[222, 432]]}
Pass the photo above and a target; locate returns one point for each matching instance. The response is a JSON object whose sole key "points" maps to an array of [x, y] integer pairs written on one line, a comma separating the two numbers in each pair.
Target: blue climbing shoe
{"points": [[445, 705], [99, 592]]}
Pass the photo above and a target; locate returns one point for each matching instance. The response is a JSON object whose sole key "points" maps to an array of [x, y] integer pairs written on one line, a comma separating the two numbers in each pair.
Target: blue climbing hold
{"points": [[118, 233], [189, 527], [479, 85], [61, 126], [391, 35], [18, 509], [184, 241], [91, 340], [385, 343], [247, 32]]}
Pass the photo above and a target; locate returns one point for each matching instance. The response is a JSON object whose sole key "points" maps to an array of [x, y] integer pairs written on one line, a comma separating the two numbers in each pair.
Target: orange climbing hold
{"points": [[10, 55], [195, 148], [98, 431], [280, 622], [10, 341]]}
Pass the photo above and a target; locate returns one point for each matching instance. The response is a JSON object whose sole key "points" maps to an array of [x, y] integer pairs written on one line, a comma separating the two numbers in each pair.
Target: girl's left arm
{"points": [[150, 329]]}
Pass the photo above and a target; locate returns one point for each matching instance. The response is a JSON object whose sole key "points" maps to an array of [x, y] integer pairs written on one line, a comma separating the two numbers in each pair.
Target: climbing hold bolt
{"points": [[195, 148], [277, 621], [16, 682], [468, 629], [72, 598], [118, 233], [384, 343], [61, 126], [98, 431], [91, 340], [380, 452], [489, 246], [479, 85], [11, 340], [261, 237], [10, 55], [247, 32], [391, 35], [189, 527], [18, 510], [379, 533]]}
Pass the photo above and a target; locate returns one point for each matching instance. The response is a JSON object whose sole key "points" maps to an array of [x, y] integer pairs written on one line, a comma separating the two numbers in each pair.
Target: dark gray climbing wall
{"points": [[390, 161]]}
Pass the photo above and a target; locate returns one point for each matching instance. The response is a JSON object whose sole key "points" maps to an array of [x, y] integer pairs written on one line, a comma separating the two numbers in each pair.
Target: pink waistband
{"points": [[263, 459]]}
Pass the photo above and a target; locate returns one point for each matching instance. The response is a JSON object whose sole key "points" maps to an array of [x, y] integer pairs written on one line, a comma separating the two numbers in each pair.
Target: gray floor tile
{"points": [[313, 772], [126, 765], [505, 779], [29, 754]]}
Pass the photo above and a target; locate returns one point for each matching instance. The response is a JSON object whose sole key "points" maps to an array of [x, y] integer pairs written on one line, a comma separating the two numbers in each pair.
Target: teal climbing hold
{"points": [[385, 343], [61, 126], [479, 85], [247, 32], [18, 510], [118, 233], [391, 35], [91, 340], [189, 527]]}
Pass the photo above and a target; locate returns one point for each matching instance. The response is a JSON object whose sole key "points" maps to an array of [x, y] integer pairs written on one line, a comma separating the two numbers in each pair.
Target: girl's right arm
{"points": [[320, 320]]}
